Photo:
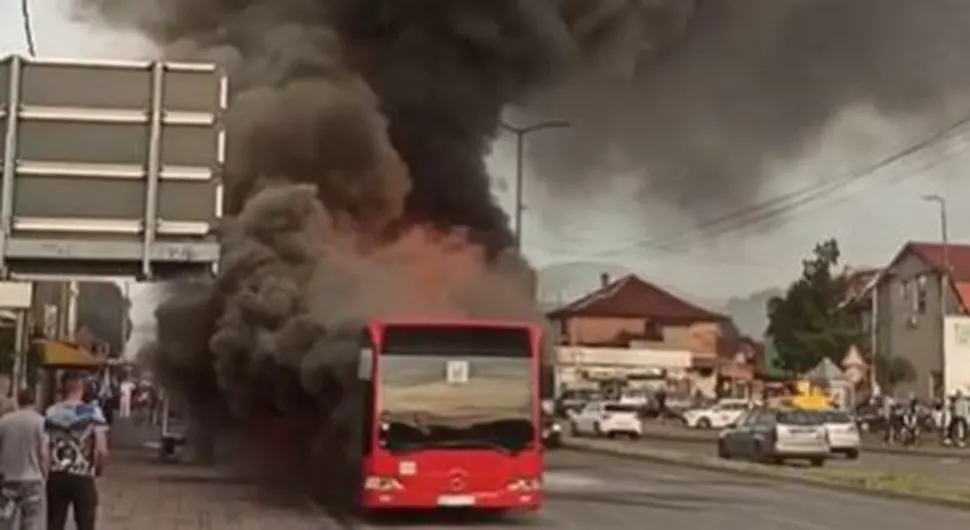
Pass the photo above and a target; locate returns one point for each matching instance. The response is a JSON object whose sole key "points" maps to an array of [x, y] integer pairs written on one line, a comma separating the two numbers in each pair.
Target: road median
{"points": [[892, 485], [709, 437]]}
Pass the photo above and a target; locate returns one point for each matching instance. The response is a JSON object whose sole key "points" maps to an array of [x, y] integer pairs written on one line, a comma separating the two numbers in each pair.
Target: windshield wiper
{"points": [[457, 444]]}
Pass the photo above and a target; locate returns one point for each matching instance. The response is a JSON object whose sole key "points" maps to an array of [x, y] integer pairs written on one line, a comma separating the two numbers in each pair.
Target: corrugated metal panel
{"points": [[115, 167]]}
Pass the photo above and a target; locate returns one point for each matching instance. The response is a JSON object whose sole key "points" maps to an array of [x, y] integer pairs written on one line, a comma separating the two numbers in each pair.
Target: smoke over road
{"points": [[356, 183], [356, 189]]}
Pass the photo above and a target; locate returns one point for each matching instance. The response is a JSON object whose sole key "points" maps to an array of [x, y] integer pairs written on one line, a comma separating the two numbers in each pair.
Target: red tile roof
{"points": [[631, 296], [932, 254]]}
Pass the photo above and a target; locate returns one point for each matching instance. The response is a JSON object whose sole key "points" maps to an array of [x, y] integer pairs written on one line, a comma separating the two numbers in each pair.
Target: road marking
{"points": [[798, 524], [560, 480]]}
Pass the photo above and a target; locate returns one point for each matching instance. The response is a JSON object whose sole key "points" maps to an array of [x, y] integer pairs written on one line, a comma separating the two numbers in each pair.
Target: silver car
{"points": [[843, 433], [776, 435]]}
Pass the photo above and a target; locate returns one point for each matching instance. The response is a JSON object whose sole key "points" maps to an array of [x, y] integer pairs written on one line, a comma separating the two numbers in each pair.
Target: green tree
{"points": [[805, 323], [893, 371]]}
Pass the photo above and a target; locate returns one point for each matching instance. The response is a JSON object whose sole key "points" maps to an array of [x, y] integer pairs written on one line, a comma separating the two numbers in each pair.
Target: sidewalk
{"points": [[140, 493]]}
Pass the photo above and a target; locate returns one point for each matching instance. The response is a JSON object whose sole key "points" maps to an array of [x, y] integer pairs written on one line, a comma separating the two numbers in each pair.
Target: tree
{"points": [[805, 323], [893, 371]]}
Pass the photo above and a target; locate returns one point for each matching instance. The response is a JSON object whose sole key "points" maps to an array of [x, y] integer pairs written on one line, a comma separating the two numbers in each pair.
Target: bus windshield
{"points": [[457, 389]]}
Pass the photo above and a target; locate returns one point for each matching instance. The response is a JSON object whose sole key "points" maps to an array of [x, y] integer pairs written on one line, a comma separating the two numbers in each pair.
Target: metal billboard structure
{"points": [[110, 168]]}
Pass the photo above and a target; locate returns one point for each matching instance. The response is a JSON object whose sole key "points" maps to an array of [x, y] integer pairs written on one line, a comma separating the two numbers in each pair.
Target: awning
{"points": [[57, 354]]}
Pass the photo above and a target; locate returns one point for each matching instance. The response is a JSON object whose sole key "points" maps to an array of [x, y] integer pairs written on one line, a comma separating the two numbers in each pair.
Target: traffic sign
{"points": [[110, 168]]}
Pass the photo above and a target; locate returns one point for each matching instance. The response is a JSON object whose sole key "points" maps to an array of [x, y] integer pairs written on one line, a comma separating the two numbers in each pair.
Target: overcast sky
{"points": [[871, 219]]}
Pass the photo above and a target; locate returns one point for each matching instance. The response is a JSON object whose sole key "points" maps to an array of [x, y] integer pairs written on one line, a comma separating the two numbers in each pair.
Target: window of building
{"points": [[919, 301], [653, 331]]}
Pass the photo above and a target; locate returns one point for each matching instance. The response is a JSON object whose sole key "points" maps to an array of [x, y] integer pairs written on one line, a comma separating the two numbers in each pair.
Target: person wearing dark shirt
{"points": [[78, 447]]}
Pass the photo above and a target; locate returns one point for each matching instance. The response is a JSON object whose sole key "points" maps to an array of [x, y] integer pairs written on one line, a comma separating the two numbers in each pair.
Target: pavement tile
{"points": [[139, 494]]}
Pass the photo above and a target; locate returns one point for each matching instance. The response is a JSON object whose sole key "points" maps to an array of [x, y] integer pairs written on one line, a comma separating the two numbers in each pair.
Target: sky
{"points": [[871, 218]]}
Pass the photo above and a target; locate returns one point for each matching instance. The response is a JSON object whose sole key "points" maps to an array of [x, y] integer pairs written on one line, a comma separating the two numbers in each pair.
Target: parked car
{"points": [[717, 416], [573, 400], [869, 417], [843, 433], [605, 418], [775, 435]]}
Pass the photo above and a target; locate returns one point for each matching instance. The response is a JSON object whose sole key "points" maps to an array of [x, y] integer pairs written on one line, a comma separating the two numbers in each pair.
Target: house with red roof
{"points": [[904, 309], [631, 313]]}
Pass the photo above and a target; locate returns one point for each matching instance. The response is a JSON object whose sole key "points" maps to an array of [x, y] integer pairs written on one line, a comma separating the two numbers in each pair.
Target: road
{"points": [[584, 491], [594, 491], [950, 466]]}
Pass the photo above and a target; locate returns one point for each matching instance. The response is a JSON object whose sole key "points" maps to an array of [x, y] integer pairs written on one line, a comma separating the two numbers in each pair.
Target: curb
{"points": [[933, 453], [709, 463]]}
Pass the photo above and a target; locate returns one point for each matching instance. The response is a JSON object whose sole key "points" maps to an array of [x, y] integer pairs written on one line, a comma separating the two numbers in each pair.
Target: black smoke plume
{"points": [[706, 100], [356, 189], [356, 179]]}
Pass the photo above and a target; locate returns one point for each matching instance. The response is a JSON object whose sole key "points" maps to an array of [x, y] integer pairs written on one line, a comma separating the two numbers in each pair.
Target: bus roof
{"points": [[464, 322]]}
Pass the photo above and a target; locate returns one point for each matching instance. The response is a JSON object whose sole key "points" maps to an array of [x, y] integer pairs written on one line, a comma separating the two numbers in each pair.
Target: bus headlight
{"points": [[382, 484], [525, 485]]}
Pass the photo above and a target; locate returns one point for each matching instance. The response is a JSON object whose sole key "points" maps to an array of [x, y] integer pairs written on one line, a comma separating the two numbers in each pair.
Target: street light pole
{"points": [[940, 201], [945, 238], [520, 134]]}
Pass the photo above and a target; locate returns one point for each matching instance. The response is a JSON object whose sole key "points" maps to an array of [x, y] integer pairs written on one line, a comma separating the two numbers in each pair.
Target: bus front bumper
{"points": [[483, 500]]}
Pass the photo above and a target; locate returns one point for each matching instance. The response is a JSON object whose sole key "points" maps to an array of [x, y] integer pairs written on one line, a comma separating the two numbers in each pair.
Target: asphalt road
{"points": [[586, 491]]}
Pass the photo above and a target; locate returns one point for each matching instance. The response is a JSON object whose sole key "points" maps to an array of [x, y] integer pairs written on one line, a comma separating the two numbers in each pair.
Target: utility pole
{"points": [[940, 201], [520, 134]]}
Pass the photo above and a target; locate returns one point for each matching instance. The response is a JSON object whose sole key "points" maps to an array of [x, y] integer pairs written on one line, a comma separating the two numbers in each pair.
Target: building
{"points": [[903, 311], [630, 328]]}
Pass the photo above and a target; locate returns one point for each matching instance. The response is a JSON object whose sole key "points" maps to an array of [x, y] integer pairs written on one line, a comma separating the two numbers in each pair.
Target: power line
{"points": [[28, 27], [781, 205]]}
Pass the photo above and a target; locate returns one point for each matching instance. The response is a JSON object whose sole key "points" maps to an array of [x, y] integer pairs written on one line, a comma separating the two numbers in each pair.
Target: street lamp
{"points": [[520, 134], [945, 237], [945, 274]]}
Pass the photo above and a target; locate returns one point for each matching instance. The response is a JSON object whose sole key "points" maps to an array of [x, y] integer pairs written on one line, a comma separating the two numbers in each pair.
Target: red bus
{"points": [[451, 415]]}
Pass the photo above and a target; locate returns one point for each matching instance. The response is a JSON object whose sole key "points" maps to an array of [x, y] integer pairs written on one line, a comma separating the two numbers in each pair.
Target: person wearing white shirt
{"points": [[127, 389]]}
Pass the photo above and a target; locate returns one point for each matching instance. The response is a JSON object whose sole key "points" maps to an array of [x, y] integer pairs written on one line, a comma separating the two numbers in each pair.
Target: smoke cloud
{"points": [[356, 189], [355, 177], [717, 94]]}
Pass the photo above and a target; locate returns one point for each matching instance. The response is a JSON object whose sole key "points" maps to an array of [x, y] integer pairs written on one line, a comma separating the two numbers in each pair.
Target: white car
{"points": [[843, 433], [637, 398], [604, 418], [722, 414]]}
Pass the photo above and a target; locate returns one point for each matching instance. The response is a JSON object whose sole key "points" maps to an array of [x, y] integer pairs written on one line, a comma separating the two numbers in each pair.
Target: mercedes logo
{"points": [[457, 480], [457, 484]]}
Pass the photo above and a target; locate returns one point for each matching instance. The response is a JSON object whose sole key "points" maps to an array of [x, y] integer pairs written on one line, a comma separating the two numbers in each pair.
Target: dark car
{"points": [[551, 432], [870, 418]]}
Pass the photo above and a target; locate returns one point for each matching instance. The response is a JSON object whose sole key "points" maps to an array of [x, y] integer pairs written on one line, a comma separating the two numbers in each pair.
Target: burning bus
{"points": [[451, 414]]}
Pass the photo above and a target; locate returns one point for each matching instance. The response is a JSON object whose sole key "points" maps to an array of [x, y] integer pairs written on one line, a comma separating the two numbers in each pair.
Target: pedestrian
{"points": [[79, 446], [23, 466], [957, 426], [127, 390]]}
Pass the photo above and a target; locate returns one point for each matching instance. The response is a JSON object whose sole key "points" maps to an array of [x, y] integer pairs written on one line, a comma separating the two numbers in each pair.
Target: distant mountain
{"points": [[750, 313]]}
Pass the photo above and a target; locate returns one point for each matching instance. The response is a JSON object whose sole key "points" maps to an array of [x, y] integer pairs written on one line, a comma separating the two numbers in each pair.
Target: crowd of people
{"points": [[50, 460], [907, 420]]}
